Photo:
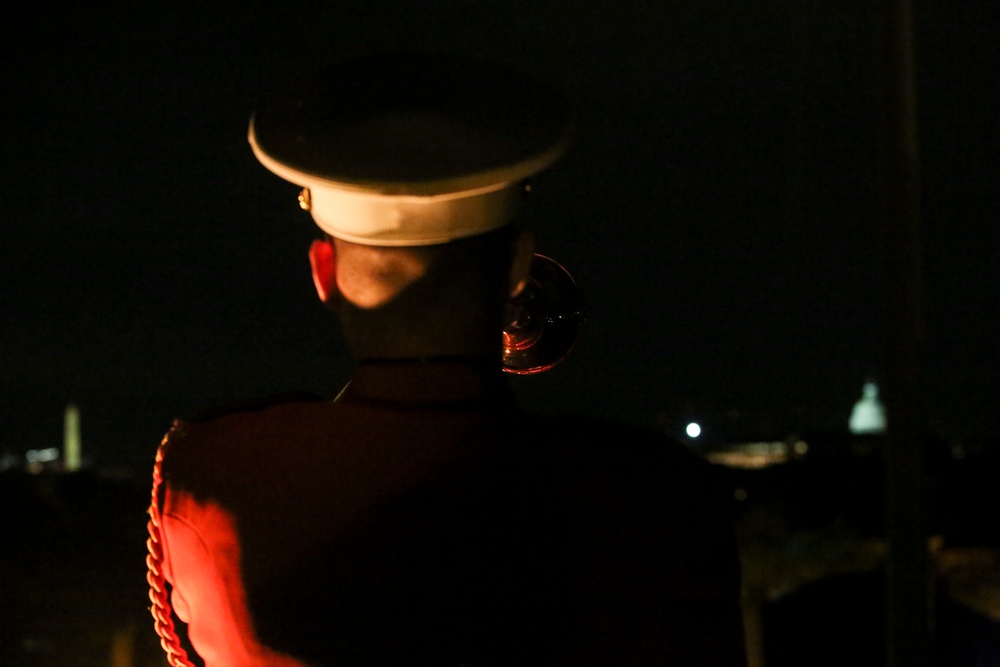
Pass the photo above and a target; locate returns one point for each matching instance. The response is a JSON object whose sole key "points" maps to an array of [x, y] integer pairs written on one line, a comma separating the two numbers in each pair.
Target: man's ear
{"points": [[323, 260], [524, 254]]}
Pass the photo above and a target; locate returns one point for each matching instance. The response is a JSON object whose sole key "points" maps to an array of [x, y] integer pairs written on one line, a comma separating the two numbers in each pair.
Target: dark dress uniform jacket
{"points": [[423, 519]]}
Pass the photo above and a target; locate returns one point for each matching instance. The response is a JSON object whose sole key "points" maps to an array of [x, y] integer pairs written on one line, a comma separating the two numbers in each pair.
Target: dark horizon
{"points": [[720, 209]]}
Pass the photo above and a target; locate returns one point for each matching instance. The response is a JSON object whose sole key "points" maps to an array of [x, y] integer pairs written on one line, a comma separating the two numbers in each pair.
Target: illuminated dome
{"points": [[868, 415]]}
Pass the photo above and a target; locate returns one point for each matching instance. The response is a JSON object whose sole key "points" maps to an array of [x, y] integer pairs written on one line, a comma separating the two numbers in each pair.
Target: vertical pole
{"points": [[908, 631], [753, 624]]}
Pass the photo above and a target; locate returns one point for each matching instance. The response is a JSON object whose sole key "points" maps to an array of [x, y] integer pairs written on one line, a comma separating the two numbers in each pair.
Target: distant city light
{"points": [[42, 455], [753, 454], [693, 430]]}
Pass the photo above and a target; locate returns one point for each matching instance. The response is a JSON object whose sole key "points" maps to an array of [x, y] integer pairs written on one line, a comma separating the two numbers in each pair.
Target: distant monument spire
{"points": [[868, 415], [71, 438]]}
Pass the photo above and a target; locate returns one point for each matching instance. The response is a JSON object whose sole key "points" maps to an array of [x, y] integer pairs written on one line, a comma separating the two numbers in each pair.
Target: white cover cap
{"points": [[411, 149]]}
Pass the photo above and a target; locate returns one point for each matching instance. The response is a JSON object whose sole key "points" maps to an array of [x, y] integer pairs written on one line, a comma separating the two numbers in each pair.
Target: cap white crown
{"points": [[411, 149]]}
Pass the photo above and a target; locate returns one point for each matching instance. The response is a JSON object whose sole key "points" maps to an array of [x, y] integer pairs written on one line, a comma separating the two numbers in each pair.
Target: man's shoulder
{"points": [[605, 477], [630, 454], [251, 406], [222, 441], [596, 435], [255, 417]]}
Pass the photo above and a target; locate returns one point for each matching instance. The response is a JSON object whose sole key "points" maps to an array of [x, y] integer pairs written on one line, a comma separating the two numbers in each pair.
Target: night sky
{"points": [[720, 209]]}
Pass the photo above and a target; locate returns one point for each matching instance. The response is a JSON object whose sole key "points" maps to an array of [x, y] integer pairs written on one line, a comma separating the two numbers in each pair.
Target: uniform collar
{"points": [[451, 379]]}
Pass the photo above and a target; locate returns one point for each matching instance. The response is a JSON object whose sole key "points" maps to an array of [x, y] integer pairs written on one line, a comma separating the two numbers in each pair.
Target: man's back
{"points": [[423, 519]]}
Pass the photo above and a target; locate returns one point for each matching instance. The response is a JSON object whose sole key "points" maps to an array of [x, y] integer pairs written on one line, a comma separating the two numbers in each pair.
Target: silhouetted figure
{"points": [[424, 517]]}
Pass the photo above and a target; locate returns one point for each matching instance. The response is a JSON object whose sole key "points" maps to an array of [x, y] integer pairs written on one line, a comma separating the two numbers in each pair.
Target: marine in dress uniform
{"points": [[423, 516]]}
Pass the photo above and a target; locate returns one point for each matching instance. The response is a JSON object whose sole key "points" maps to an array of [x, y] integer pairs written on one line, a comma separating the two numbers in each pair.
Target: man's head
{"points": [[370, 276], [414, 166], [423, 301]]}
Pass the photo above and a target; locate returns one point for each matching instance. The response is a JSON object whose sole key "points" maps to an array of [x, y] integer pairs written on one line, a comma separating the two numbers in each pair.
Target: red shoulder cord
{"points": [[158, 593]]}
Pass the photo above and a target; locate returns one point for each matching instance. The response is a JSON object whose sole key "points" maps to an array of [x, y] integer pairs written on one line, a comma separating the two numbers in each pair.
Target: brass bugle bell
{"points": [[542, 323]]}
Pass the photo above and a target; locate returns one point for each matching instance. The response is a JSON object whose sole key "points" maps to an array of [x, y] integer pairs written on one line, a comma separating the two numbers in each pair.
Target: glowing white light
{"points": [[693, 430], [42, 455], [868, 415]]}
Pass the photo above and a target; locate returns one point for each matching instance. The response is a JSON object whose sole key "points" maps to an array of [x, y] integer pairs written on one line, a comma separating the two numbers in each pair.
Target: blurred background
{"points": [[722, 209]]}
